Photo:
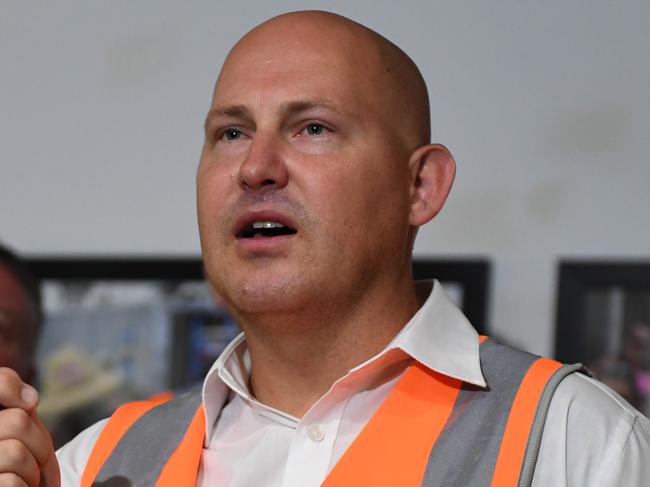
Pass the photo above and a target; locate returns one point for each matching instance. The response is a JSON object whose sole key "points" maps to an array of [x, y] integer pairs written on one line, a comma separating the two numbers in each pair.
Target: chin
{"points": [[264, 295]]}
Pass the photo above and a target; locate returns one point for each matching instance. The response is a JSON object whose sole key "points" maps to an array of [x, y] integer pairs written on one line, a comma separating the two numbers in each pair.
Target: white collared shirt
{"points": [[592, 436]]}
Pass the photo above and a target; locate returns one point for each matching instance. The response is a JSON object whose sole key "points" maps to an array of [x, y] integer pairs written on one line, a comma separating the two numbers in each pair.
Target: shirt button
{"points": [[315, 433]]}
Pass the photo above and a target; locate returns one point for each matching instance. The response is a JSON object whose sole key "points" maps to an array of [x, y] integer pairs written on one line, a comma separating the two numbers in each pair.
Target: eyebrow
{"points": [[298, 106], [287, 108], [233, 111]]}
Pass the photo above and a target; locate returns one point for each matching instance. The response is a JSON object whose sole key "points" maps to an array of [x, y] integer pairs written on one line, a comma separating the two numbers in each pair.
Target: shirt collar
{"points": [[439, 336]]}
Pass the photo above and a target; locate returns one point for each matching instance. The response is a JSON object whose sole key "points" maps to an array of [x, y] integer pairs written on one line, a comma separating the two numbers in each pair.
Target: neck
{"points": [[297, 357]]}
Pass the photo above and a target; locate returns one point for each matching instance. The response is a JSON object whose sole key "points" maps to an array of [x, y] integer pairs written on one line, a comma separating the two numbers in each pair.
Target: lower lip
{"points": [[261, 245]]}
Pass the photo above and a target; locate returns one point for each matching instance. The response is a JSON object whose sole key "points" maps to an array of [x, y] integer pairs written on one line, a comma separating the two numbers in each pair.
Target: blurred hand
{"points": [[26, 453]]}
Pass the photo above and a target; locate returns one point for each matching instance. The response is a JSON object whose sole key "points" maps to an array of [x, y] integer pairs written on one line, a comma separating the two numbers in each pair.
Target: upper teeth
{"points": [[257, 225]]}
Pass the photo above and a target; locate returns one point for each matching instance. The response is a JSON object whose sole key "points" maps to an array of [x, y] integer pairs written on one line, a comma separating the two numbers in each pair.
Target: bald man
{"points": [[315, 175]]}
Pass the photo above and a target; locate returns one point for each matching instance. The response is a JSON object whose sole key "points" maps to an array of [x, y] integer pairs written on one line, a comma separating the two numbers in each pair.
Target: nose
{"points": [[264, 164]]}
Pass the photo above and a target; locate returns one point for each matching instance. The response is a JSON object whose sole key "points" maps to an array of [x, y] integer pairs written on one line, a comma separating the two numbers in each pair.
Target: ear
{"points": [[432, 170]]}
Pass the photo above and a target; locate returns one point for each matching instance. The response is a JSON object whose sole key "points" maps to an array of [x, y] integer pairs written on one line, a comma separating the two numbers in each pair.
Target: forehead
{"points": [[274, 69]]}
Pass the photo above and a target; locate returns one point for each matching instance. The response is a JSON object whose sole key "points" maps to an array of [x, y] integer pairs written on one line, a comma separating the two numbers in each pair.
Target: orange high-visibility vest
{"points": [[432, 430]]}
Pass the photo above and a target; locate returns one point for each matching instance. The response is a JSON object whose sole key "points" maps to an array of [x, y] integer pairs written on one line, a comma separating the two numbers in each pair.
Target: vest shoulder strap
{"points": [[120, 421], [493, 435], [149, 434]]}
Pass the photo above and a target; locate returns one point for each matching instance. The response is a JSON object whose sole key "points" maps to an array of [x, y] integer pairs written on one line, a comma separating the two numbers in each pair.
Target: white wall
{"points": [[545, 105]]}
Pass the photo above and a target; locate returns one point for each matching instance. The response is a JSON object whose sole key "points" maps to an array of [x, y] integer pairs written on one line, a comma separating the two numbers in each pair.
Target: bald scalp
{"points": [[398, 88]]}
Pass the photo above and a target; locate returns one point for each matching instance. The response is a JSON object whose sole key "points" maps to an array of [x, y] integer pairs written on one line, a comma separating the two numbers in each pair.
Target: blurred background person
{"points": [[636, 352], [628, 372], [20, 315]]}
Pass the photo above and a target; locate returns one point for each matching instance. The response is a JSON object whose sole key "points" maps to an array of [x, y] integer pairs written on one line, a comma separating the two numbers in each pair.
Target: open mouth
{"points": [[259, 229]]}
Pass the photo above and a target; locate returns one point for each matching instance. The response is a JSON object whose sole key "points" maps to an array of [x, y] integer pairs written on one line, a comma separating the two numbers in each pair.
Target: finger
{"points": [[12, 480], [39, 423], [51, 475], [45, 431], [18, 424], [16, 458], [14, 393]]}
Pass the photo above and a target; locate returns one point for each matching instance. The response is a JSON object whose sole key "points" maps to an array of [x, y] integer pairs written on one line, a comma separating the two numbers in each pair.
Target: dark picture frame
{"points": [[576, 279]]}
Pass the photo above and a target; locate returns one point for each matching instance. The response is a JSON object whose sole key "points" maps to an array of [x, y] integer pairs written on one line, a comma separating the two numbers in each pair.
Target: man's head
{"points": [[320, 125], [20, 315]]}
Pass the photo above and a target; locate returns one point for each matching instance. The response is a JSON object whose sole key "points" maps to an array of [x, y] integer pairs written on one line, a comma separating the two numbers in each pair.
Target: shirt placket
{"points": [[311, 448]]}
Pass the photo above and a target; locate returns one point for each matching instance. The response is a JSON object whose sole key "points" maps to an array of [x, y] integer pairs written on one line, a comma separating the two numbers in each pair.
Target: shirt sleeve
{"points": [[592, 438], [629, 461], [72, 457]]}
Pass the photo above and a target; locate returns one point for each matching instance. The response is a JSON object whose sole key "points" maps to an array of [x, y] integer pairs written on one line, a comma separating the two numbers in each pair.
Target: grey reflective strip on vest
{"points": [[467, 448], [139, 457]]}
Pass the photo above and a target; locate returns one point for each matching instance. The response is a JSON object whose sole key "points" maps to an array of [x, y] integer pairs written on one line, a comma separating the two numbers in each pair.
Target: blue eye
{"points": [[315, 129], [232, 134]]}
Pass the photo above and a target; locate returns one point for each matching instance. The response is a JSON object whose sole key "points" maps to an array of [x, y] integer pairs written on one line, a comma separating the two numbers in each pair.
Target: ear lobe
{"points": [[432, 169]]}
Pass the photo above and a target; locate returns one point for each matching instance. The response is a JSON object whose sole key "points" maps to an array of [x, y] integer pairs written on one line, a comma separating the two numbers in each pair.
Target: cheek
{"points": [[373, 214], [211, 196], [345, 208]]}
